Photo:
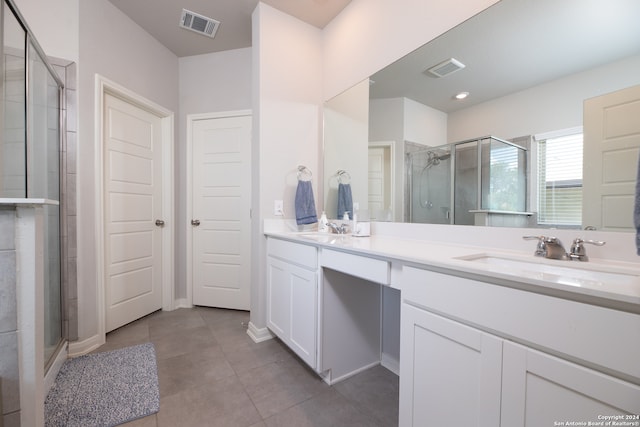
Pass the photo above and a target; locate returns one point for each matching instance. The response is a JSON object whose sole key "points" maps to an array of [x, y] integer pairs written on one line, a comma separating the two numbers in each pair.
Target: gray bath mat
{"points": [[105, 389]]}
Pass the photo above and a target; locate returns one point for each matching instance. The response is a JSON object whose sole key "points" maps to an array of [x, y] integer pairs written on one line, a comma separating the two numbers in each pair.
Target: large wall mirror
{"points": [[547, 136]]}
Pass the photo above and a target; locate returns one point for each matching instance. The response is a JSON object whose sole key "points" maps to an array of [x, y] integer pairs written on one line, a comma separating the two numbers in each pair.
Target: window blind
{"points": [[560, 181]]}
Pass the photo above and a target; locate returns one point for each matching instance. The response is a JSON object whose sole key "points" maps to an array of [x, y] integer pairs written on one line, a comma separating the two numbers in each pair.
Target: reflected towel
{"points": [[345, 200], [636, 210], [305, 205]]}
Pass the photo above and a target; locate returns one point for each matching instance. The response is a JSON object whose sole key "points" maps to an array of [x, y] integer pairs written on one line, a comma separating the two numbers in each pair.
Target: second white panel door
{"points": [[221, 223]]}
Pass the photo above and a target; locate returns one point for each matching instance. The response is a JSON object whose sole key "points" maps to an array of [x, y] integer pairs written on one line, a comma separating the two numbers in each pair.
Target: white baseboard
{"points": [[80, 348], [182, 303], [391, 363], [52, 373], [329, 379], [259, 334]]}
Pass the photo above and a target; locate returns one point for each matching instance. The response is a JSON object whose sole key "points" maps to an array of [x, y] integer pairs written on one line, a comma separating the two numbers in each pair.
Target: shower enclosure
{"points": [[481, 181], [30, 152], [429, 185]]}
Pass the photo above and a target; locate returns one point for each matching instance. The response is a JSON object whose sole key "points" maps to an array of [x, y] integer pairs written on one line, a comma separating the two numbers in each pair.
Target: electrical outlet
{"points": [[278, 207], [356, 206]]}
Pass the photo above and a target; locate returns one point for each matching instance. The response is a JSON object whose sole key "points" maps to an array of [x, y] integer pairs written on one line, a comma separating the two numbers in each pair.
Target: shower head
{"points": [[435, 158]]}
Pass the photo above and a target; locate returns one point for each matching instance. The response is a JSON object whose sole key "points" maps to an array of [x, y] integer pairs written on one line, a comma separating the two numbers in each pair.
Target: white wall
{"points": [[423, 124], [209, 83], [552, 106], [215, 82], [54, 24], [115, 47], [346, 146], [287, 58], [371, 34], [387, 123]]}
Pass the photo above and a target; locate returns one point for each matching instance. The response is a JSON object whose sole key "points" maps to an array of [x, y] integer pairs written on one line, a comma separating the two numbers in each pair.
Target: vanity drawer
{"points": [[375, 270], [601, 337], [295, 253]]}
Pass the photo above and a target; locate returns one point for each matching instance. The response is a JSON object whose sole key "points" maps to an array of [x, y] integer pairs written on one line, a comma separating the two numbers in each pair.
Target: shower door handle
{"points": [[195, 222], [159, 223]]}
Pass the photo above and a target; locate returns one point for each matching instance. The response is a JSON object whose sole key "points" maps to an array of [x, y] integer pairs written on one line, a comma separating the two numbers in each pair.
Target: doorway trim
{"points": [[105, 86], [191, 118], [391, 146]]}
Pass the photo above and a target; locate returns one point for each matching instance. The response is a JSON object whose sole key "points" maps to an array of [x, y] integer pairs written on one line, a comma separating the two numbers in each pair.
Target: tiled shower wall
{"points": [[69, 254]]}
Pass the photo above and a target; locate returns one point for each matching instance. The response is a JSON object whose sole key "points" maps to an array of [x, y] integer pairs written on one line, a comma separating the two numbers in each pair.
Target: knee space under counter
{"points": [[375, 270]]}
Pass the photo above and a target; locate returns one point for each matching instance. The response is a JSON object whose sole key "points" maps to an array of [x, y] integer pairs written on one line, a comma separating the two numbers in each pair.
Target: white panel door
{"points": [[221, 221], [611, 149], [377, 194], [380, 179], [132, 204]]}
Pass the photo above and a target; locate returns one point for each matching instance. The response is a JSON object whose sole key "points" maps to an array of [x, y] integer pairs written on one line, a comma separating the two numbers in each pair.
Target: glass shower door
{"points": [[429, 178], [43, 170], [13, 170]]}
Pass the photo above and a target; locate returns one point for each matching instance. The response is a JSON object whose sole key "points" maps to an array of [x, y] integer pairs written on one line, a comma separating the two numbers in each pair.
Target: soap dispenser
{"points": [[361, 226], [323, 224]]}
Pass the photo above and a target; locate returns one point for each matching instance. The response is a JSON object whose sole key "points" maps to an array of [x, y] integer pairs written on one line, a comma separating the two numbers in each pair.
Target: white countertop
{"points": [[28, 202], [602, 282]]}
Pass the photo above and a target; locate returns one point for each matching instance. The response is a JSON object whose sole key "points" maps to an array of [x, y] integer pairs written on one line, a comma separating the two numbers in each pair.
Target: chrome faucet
{"points": [[339, 229], [548, 247], [551, 248], [579, 252]]}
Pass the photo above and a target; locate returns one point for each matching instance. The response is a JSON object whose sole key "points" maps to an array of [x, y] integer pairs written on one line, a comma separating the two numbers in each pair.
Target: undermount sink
{"points": [[571, 273]]}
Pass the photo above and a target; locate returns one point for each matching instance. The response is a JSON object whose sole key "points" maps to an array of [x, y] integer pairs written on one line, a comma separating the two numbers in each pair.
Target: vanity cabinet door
{"points": [[292, 307], [450, 373], [539, 390]]}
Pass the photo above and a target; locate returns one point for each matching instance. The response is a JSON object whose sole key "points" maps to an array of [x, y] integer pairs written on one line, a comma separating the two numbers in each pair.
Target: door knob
{"points": [[159, 223], [195, 222]]}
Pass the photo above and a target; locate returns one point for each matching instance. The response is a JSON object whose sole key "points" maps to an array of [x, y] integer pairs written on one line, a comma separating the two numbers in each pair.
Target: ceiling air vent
{"points": [[199, 23], [445, 68]]}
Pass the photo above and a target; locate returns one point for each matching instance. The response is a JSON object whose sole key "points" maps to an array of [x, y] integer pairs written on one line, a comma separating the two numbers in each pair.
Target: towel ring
{"points": [[304, 174], [342, 175]]}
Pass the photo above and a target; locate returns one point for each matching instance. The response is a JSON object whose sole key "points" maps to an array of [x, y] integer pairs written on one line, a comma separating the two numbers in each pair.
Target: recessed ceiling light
{"points": [[462, 95]]}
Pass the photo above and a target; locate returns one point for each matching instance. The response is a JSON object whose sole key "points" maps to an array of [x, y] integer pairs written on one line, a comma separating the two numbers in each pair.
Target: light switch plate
{"points": [[278, 207]]}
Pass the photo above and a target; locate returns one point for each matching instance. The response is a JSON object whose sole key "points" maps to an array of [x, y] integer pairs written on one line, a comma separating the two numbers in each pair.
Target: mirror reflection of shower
{"points": [[429, 185], [481, 181]]}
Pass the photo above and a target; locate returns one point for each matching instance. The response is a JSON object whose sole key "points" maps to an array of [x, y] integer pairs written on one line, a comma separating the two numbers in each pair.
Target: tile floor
{"points": [[212, 374]]}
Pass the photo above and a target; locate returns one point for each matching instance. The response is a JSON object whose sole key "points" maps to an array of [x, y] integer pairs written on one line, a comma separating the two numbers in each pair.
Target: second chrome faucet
{"points": [[552, 248]]}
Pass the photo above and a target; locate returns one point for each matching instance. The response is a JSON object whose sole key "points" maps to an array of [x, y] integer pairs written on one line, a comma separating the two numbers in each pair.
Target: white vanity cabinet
{"points": [[292, 296], [539, 389], [477, 361], [449, 373]]}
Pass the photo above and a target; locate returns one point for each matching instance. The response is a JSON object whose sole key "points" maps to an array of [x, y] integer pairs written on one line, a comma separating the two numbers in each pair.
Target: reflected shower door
{"points": [[430, 186]]}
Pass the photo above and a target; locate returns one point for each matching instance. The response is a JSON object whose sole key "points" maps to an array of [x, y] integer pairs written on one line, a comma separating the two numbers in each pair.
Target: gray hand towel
{"points": [[304, 203], [345, 200], [636, 210]]}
